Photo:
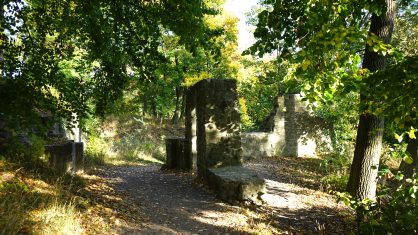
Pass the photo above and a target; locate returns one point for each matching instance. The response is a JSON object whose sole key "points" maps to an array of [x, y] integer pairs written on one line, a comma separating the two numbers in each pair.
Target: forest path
{"points": [[172, 203]]}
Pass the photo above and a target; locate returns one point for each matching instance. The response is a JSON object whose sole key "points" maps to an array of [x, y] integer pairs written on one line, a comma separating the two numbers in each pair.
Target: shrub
{"points": [[395, 211]]}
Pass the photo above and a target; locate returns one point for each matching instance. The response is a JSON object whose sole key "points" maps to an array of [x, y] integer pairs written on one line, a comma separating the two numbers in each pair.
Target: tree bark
{"points": [[412, 149], [154, 108], [363, 173], [175, 118], [144, 105], [183, 104]]}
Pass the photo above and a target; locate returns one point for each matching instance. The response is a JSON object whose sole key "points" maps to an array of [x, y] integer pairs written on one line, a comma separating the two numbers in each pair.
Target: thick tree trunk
{"points": [[363, 174], [412, 149]]}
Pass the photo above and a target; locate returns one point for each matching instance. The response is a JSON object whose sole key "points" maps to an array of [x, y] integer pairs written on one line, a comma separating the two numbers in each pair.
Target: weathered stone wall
{"points": [[261, 144], [294, 131], [218, 125], [65, 158], [60, 156], [213, 136], [190, 123], [177, 159], [79, 157]]}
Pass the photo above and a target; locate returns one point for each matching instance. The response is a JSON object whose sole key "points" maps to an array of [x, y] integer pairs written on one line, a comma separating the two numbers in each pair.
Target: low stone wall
{"points": [[270, 144], [261, 144], [291, 131], [176, 158], [66, 158]]}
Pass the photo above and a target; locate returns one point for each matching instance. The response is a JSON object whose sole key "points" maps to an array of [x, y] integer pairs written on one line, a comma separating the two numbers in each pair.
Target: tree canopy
{"points": [[55, 55]]}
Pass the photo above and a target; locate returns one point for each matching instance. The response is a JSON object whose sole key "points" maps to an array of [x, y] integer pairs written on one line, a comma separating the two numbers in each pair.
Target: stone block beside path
{"points": [[176, 159], [66, 158], [236, 183], [60, 157]]}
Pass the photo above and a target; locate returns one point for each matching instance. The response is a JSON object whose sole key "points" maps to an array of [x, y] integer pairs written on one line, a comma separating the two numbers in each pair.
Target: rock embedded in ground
{"points": [[236, 183]]}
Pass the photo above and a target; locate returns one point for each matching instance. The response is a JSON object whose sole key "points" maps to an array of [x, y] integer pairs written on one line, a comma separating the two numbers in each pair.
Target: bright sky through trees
{"points": [[239, 8]]}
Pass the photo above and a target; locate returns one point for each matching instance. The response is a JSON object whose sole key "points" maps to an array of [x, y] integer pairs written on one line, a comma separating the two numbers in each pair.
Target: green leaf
{"points": [[408, 159], [412, 134], [413, 190], [399, 138], [399, 176]]}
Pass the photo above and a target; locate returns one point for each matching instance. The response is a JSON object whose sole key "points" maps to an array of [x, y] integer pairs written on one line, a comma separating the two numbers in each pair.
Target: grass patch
{"points": [[29, 204], [57, 218], [37, 202]]}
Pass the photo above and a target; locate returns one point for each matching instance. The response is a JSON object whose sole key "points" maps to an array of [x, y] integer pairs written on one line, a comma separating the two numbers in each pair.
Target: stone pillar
{"points": [[190, 150], [176, 157], [65, 158], [218, 125], [79, 157], [60, 157]]}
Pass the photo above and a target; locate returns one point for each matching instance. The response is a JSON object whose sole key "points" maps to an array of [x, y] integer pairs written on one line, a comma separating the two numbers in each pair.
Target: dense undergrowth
{"points": [[37, 202], [34, 199]]}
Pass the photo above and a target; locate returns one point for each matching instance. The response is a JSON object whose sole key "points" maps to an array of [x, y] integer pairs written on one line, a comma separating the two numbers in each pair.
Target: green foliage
{"points": [[162, 92], [95, 151], [259, 91], [322, 40], [398, 100], [341, 117], [262, 83], [405, 37], [28, 152], [336, 167], [56, 55], [395, 211]]}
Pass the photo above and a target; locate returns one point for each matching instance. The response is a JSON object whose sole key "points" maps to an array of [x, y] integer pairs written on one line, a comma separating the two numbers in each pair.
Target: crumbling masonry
{"points": [[213, 126]]}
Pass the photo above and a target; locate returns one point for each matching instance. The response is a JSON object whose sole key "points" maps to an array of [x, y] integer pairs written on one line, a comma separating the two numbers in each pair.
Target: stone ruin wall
{"points": [[291, 131], [213, 141], [215, 145], [218, 120]]}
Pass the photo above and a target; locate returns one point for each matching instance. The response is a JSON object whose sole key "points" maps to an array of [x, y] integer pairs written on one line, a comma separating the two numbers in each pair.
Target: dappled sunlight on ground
{"points": [[221, 218], [294, 199], [171, 202], [141, 199]]}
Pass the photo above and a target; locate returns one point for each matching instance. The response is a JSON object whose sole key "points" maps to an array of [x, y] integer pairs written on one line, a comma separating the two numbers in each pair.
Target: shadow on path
{"points": [[171, 203]]}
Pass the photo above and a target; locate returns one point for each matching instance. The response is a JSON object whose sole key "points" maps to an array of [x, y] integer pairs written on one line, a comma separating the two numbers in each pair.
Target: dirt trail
{"points": [[171, 203]]}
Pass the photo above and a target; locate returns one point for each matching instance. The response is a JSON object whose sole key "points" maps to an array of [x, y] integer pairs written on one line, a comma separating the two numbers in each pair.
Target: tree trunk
{"points": [[412, 149], [144, 105], [154, 108], [363, 174], [183, 104], [175, 118]]}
